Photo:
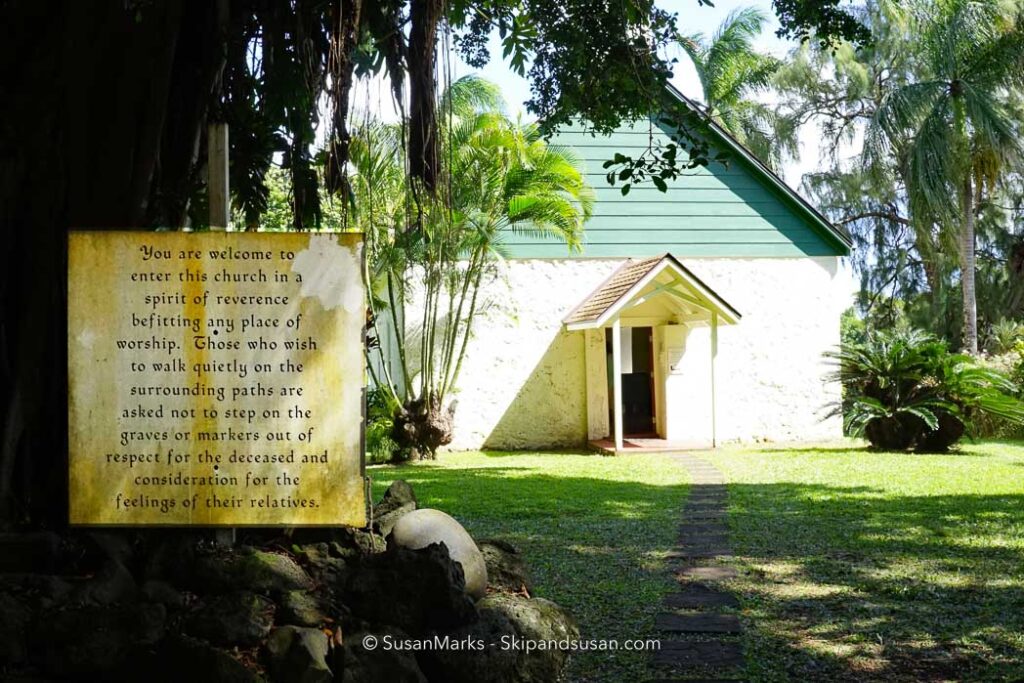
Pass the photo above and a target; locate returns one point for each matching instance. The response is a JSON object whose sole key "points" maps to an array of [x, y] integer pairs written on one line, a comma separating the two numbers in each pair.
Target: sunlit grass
{"points": [[880, 566], [594, 531], [855, 565]]}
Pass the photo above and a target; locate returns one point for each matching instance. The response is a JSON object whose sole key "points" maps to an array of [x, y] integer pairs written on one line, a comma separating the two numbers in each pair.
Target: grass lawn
{"points": [[878, 566], [594, 531]]}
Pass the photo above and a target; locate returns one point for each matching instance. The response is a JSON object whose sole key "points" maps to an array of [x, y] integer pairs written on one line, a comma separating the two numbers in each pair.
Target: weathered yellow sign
{"points": [[215, 378]]}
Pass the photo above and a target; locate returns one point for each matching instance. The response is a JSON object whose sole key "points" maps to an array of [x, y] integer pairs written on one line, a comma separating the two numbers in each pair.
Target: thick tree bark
{"points": [[423, 148], [967, 271], [84, 109], [341, 67]]}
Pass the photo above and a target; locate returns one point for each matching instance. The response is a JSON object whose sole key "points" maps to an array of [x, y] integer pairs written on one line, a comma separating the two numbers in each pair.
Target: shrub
{"points": [[380, 447], [1010, 364], [1004, 336], [904, 389]]}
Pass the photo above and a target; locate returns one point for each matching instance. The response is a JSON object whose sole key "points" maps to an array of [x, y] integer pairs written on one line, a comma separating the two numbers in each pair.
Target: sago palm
{"points": [[952, 128], [904, 389], [731, 73]]}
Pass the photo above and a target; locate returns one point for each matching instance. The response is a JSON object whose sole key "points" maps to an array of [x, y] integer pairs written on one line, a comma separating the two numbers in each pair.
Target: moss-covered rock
{"points": [[300, 608], [249, 569], [238, 618], [298, 655]]}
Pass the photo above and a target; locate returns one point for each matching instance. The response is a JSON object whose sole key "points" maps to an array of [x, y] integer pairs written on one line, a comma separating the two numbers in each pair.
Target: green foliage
{"points": [[430, 257], [660, 163], [279, 213], [731, 73], [823, 20], [601, 63], [380, 411], [952, 128], [289, 67], [905, 390], [936, 91], [1004, 336], [953, 123], [1011, 364]]}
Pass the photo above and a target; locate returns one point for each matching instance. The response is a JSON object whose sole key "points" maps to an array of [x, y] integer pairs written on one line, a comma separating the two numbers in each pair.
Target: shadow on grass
{"points": [[511, 491], [594, 545], [865, 450], [839, 583], [858, 584]]}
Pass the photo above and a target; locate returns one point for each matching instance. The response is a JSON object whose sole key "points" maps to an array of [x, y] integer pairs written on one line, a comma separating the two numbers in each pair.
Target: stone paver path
{"points": [[697, 634]]}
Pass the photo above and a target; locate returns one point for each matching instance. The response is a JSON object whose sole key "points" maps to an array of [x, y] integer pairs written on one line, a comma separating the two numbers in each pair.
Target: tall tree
{"points": [[952, 128], [732, 73], [103, 113], [428, 282]]}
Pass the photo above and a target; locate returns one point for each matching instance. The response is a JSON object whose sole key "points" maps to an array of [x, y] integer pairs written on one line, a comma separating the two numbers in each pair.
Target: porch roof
{"points": [[628, 282]]}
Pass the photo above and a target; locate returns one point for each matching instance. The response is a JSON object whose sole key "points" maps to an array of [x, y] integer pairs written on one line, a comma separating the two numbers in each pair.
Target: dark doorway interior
{"points": [[637, 381]]}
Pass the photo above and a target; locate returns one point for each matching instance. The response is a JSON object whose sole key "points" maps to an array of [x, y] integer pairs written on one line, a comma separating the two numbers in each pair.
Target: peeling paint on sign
{"points": [[329, 272]]}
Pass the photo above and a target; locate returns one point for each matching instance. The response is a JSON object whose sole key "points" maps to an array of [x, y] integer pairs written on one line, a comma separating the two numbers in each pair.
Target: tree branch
{"points": [[874, 214]]}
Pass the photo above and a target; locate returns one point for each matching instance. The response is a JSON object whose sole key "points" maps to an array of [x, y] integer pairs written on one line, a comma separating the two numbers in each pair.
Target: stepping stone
{"points": [[697, 623], [703, 508], [705, 515], [710, 528], [707, 573], [705, 502], [712, 654], [698, 596], [700, 540], [699, 553]]}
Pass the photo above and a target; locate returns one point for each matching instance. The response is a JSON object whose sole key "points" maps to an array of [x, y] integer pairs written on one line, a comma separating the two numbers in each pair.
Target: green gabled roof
{"points": [[737, 210], [725, 139]]}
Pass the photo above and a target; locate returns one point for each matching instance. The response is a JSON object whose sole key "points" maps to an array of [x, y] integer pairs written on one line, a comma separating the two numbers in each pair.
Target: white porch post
{"points": [[714, 352], [617, 381]]}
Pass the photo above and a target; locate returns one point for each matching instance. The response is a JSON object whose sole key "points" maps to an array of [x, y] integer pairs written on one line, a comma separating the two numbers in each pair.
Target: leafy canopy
{"points": [[439, 252], [731, 74]]}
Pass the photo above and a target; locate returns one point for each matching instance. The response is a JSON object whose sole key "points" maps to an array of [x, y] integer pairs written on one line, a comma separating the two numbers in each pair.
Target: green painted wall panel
{"points": [[641, 250], [718, 210], [639, 225]]}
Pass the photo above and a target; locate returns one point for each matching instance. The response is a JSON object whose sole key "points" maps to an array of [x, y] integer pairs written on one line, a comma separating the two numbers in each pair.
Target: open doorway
{"points": [[638, 416]]}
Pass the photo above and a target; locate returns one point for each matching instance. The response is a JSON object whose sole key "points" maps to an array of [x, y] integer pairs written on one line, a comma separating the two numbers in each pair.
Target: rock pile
{"points": [[314, 606]]}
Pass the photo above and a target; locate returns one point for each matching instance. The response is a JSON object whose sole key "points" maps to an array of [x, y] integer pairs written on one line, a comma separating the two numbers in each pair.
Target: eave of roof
{"points": [[835, 234], [626, 283]]}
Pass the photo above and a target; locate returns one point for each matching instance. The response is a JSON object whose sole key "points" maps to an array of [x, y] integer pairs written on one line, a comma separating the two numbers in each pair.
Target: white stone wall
{"points": [[770, 367], [524, 381]]}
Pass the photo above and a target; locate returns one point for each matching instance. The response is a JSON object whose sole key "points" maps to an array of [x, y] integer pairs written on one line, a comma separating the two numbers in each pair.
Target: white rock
{"points": [[420, 528]]}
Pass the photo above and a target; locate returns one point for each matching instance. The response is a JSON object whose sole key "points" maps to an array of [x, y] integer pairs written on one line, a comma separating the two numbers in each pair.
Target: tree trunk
{"points": [[80, 147], [425, 15], [967, 269]]}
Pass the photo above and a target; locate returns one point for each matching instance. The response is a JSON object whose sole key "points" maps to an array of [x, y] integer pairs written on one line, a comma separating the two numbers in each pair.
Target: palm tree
{"points": [[952, 129], [438, 251], [731, 72]]}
